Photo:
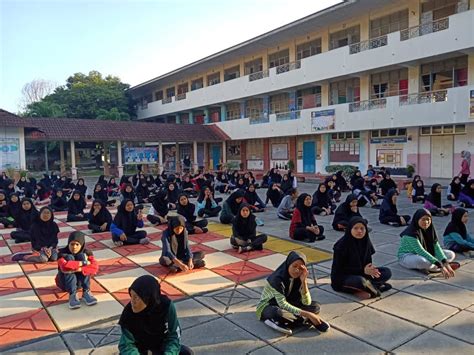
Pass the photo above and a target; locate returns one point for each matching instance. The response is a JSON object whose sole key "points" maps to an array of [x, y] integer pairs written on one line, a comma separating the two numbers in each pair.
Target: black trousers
{"points": [[6, 222], [256, 242], [21, 236], [154, 219], [358, 283], [212, 212], [226, 219], [394, 219], [132, 238], [76, 218], [285, 215], [302, 234], [416, 199], [190, 225], [96, 228], [198, 260], [281, 316]]}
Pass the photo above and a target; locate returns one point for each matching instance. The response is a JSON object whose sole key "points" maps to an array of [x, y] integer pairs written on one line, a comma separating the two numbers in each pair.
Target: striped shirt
{"points": [[410, 245]]}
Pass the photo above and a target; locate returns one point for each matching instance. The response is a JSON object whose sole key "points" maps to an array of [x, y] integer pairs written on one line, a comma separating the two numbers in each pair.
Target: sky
{"points": [[135, 40]]}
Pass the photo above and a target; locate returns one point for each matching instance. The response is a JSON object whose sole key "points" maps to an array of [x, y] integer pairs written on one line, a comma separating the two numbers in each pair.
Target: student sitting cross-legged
{"points": [[456, 237], [206, 205], [125, 224], [188, 211], [149, 322], [244, 231], [99, 217], [285, 301], [176, 253], [303, 225], [75, 207], [76, 265], [26, 216], [388, 213]]}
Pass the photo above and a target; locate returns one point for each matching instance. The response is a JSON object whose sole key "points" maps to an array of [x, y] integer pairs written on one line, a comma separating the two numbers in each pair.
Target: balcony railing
{"points": [[181, 96], [166, 100], [285, 116], [423, 98], [288, 67], [424, 29], [258, 75], [258, 120], [367, 105], [368, 44]]}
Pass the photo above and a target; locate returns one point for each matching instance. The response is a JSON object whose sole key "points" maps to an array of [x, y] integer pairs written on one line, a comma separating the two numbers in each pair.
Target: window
{"points": [[390, 23], [444, 74], [393, 132], [170, 92], [345, 91], [232, 73], [279, 103], [392, 83], [440, 8], [440, 130], [158, 95], [254, 108], [308, 98], [279, 58], [214, 79], [344, 147], [232, 111], [253, 66], [344, 37], [308, 49], [197, 84], [183, 88]]}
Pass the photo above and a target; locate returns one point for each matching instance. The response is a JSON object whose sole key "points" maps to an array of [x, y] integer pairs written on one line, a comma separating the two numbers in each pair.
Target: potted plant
{"points": [[291, 165], [410, 170]]}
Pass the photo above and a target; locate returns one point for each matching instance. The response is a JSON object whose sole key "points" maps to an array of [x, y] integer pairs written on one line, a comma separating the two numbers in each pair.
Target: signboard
{"points": [[280, 151], [388, 140], [323, 120], [471, 104], [141, 155], [9, 153], [255, 164]]}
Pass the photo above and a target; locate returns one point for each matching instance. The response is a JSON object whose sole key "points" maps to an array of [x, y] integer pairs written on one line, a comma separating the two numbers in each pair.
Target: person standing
{"points": [[465, 166]]}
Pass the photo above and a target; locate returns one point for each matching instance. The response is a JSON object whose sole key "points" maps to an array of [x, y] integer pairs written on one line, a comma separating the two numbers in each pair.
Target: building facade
{"points": [[387, 83]]}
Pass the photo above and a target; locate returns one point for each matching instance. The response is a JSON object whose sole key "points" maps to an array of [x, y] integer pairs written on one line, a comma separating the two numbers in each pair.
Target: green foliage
{"points": [[347, 170], [291, 164], [89, 96], [410, 168]]}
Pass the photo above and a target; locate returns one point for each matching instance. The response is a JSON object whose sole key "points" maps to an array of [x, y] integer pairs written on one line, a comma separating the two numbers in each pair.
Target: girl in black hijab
{"points": [[456, 236], [244, 231], [303, 225], [341, 182], [419, 247], [99, 217], [149, 322], [418, 191], [113, 190], [332, 190], [187, 187], [286, 301], [252, 198], [274, 194], [24, 187], [142, 192], [76, 265], [42, 195], [352, 269], [44, 239], [433, 202], [4, 218], [176, 253], [58, 201], [101, 194], [386, 184], [125, 224], [27, 214], [81, 187], [206, 205], [344, 212], [159, 208], [286, 184], [102, 182], [188, 211], [466, 197], [14, 206], [322, 204], [454, 189], [389, 213], [128, 193], [231, 206], [173, 193], [75, 207]]}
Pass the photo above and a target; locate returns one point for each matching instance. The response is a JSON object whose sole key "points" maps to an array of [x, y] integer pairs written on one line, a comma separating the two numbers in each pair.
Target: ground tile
{"points": [[218, 259], [249, 255], [434, 343], [110, 266], [146, 259], [462, 279], [271, 261], [460, 326], [332, 305], [281, 246], [442, 292], [66, 229], [78, 223], [10, 270], [136, 249], [266, 350], [171, 291], [118, 280], [206, 237], [19, 302], [242, 271], [107, 307], [221, 244], [313, 255], [157, 270], [105, 254], [43, 278], [197, 282], [14, 284], [416, 309], [377, 328], [50, 345], [192, 313]]}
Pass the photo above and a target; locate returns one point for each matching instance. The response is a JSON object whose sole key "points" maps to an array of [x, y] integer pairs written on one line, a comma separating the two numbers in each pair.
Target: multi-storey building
{"points": [[387, 83]]}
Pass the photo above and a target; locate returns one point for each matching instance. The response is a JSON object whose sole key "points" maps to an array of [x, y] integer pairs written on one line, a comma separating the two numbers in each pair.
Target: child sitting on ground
{"points": [[389, 213], [456, 237], [433, 202], [99, 217], [188, 211], [244, 231], [287, 205], [206, 204], [125, 224], [75, 207], [303, 225]]}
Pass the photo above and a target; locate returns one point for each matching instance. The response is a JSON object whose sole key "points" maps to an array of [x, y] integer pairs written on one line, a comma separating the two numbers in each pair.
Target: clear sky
{"points": [[135, 40]]}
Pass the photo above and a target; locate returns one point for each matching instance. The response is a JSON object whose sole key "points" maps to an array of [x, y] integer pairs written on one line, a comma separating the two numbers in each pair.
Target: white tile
{"points": [[66, 229], [200, 281], [7, 230], [270, 261], [78, 223], [218, 259], [5, 251], [221, 244], [151, 230], [10, 270], [120, 280], [19, 302], [43, 278], [105, 254], [159, 244], [146, 259]]}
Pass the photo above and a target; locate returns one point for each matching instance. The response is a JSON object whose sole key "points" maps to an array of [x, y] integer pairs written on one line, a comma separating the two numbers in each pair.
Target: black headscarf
{"points": [[187, 211], [281, 280], [468, 190], [388, 208], [428, 237], [126, 221], [150, 326], [344, 212], [234, 206], [102, 217], [307, 217], [25, 218], [14, 207], [160, 203], [178, 242], [244, 227], [44, 234], [172, 194], [128, 195], [456, 225], [78, 237], [251, 196], [286, 184], [81, 188], [351, 255], [419, 190], [102, 181], [435, 197], [321, 199], [76, 206], [58, 201], [387, 183], [455, 188]]}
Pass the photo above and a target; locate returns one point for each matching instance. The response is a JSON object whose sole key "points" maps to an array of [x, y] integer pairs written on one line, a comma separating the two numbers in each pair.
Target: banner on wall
{"points": [[324, 120], [471, 104], [9, 153], [140, 155]]}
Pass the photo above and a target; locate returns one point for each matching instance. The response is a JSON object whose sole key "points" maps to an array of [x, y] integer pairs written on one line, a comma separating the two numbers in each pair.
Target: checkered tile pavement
{"points": [[32, 306]]}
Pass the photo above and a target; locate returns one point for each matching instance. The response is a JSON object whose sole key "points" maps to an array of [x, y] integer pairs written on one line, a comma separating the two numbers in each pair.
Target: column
{"points": [[266, 106], [206, 115], [266, 154], [364, 28], [224, 153], [243, 154], [106, 158], [470, 64], [190, 117], [324, 153], [206, 157], [413, 80], [61, 157], [160, 158], [177, 158], [325, 41], [414, 13], [178, 118], [73, 161], [292, 104], [195, 157], [325, 94], [242, 109], [46, 164], [119, 159], [364, 87], [22, 148], [292, 51], [292, 152], [223, 112]]}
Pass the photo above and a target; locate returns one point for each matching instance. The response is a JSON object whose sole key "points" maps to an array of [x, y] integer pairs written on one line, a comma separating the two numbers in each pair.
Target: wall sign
{"points": [[140, 156], [9, 153], [323, 120]]}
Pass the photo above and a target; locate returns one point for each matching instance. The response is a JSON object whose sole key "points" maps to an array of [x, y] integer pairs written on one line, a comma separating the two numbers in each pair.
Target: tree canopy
{"points": [[90, 96]]}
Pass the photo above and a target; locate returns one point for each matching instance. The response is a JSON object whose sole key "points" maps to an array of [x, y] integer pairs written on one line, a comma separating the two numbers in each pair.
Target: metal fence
{"points": [[368, 44], [424, 29]]}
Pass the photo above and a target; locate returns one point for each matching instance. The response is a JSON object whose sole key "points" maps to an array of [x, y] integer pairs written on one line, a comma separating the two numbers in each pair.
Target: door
{"points": [[216, 156], [442, 156], [309, 157]]}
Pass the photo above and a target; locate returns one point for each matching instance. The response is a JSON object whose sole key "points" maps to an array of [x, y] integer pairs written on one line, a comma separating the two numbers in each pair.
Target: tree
{"points": [[35, 91], [44, 109]]}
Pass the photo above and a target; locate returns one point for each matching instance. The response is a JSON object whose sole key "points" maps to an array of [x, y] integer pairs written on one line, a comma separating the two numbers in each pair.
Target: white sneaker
{"points": [[118, 243], [278, 327], [144, 240]]}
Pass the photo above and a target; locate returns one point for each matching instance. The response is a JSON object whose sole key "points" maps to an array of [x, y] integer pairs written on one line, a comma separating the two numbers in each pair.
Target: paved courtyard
{"points": [[216, 305]]}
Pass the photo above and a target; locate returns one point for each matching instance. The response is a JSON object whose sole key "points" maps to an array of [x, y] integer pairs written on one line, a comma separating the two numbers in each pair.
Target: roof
{"points": [[8, 119]]}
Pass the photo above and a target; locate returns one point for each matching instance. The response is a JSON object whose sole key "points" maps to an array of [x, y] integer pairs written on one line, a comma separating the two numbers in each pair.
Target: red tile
{"points": [[95, 246], [101, 236], [62, 224], [201, 247], [3, 243], [136, 249], [30, 268], [64, 235], [242, 271], [6, 236], [250, 254], [25, 326], [206, 237], [110, 266], [157, 270], [170, 291], [14, 284], [122, 296], [154, 236], [15, 248], [80, 228], [6, 259], [171, 275]]}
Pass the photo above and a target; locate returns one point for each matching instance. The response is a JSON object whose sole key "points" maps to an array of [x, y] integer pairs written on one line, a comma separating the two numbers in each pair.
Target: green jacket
{"points": [[410, 245]]}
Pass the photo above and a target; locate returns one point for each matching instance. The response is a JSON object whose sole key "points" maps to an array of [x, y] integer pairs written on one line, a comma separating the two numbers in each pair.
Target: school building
{"points": [[387, 83]]}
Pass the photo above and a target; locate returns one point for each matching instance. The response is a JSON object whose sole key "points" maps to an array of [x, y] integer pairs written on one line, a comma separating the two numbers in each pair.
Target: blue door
{"points": [[309, 157], [216, 156]]}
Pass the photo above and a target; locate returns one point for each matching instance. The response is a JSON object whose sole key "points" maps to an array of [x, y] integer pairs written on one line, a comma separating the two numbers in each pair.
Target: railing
{"points": [[368, 44], [258, 75], [181, 96], [288, 67], [308, 101], [258, 120], [166, 100], [423, 98], [424, 29], [285, 116], [367, 105]]}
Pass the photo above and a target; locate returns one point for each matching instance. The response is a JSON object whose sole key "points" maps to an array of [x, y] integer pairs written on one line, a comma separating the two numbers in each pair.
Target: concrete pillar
{"points": [[195, 157], [178, 118], [22, 148], [324, 152], [206, 115], [73, 161], [106, 159], [160, 158], [292, 104], [190, 117], [265, 61], [413, 80], [224, 153], [243, 154], [61, 157], [364, 28], [414, 13], [46, 164], [325, 94], [266, 154], [119, 159], [325, 41], [292, 51], [364, 87], [223, 113], [206, 156], [177, 158], [243, 114], [470, 63], [266, 106]]}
